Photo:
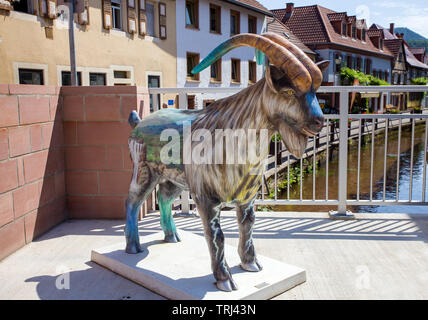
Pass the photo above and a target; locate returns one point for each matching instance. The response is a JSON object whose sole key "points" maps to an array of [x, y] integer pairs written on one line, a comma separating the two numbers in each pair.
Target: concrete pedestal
{"points": [[182, 270]]}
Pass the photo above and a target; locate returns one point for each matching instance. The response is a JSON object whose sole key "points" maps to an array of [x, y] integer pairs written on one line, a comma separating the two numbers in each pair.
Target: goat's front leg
{"points": [[210, 215], [246, 218], [166, 196]]}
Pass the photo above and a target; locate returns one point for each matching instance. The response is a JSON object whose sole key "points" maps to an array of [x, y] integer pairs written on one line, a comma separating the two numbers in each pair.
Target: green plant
{"points": [[419, 81], [364, 79]]}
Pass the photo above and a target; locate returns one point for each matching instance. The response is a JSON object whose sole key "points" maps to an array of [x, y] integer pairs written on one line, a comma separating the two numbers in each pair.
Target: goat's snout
{"points": [[318, 123]]}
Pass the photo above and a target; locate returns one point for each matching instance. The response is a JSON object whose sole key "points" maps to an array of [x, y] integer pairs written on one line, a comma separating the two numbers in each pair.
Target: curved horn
{"points": [[314, 71], [278, 56]]}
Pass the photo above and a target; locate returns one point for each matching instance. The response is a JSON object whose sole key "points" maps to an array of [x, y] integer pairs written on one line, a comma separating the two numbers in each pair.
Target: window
{"points": [[215, 19], [252, 24], [150, 14], [154, 82], [66, 78], [192, 61], [349, 61], [368, 66], [234, 22], [115, 7], [386, 75], [354, 32], [120, 74], [236, 70], [252, 72], [97, 79], [381, 44], [363, 35], [30, 76], [216, 71], [206, 103], [338, 61], [23, 6], [192, 14], [190, 102], [344, 29]]}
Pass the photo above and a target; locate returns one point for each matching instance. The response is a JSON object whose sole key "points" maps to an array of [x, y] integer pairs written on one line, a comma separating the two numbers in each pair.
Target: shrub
{"points": [[364, 79]]}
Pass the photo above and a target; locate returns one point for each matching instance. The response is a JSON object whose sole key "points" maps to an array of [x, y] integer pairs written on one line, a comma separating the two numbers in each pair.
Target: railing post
{"points": [[341, 212], [185, 204]]}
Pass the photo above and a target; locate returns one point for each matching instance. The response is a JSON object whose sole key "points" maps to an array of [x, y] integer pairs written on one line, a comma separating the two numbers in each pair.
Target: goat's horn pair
{"points": [[314, 71], [278, 54]]}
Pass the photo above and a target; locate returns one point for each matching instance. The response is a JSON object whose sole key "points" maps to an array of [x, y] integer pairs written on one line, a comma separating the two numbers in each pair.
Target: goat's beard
{"points": [[294, 139]]}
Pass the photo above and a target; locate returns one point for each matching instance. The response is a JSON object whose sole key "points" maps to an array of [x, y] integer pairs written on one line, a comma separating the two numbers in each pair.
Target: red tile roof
{"points": [[392, 42], [281, 29], [251, 4], [312, 25]]}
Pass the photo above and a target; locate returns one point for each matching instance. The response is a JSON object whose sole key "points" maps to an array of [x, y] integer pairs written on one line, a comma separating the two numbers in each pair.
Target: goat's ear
{"points": [[273, 76], [323, 65]]}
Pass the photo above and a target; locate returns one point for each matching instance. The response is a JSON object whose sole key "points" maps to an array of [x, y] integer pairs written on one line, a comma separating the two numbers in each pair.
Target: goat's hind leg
{"points": [[166, 196], [142, 184]]}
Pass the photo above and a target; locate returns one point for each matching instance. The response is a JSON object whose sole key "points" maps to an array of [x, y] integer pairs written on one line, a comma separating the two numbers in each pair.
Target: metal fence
{"points": [[350, 127]]}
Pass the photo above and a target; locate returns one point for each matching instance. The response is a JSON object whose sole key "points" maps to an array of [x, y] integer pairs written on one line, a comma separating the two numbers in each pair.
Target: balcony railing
{"points": [[351, 126]]}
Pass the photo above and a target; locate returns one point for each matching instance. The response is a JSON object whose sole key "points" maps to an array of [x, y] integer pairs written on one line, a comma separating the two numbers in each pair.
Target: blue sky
{"points": [[411, 14]]}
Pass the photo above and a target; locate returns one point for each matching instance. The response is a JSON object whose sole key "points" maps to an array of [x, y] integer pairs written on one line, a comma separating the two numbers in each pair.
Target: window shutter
{"points": [[84, 16], [107, 14], [162, 20], [132, 21], [142, 18]]}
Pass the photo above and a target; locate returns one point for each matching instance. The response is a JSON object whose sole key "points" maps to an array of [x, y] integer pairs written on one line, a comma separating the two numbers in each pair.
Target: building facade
{"points": [[201, 25], [342, 39], [118, 42]]}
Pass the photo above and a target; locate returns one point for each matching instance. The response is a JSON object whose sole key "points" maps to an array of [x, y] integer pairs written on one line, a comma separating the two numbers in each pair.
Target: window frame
{"points": [[217, 79], [115, 6], [254, 19], [40, 71], [195, 25], [194, 77], [238, 71], [79, 77], [237, 16], [252, 65], [98, 73], [218, 18]]}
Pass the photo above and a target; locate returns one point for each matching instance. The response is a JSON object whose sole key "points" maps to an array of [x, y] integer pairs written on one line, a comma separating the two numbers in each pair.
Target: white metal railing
{"points": [[375, 123]]}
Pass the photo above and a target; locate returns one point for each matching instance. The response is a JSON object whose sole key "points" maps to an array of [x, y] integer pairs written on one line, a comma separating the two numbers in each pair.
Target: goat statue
{"points": [[283, 101]]}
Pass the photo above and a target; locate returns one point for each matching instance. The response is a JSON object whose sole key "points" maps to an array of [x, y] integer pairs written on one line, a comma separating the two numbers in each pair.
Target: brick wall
{"points": [[63, 154], [98, 166], [32, 177]]}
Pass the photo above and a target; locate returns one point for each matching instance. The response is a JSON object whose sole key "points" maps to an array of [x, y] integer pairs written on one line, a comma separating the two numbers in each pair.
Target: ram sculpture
{"points": [[283, 101]]}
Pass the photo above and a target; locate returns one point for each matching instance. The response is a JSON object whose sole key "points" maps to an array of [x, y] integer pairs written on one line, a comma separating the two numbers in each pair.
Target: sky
{"points": [[411, 14]]}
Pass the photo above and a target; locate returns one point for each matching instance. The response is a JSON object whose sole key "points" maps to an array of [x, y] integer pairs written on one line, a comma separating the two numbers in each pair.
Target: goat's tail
{"points": [[134, 119]]}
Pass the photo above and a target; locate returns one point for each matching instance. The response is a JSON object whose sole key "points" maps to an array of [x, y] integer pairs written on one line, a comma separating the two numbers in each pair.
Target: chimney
{"points": [[391, 28], [290, 7]]}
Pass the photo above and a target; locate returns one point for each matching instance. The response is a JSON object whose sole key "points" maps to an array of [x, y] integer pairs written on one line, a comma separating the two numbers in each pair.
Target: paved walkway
{"points": [[378, 256]]}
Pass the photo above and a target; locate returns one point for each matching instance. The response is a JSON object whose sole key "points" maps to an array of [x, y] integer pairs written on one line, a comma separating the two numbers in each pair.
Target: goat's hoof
{"points": [[252, 266], [133, 248], [226, 285], [173, 238]]}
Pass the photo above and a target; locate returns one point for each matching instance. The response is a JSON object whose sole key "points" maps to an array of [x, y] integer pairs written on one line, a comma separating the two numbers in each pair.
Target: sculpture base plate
{"points": [[182, 271]]}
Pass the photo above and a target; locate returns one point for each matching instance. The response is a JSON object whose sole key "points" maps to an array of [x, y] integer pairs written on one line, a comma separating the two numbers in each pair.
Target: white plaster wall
{"points": [[328, 54], [203, 42]]}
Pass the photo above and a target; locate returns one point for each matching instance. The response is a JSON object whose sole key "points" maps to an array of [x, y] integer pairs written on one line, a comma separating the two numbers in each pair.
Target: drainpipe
{"points": [[71, 6]]}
